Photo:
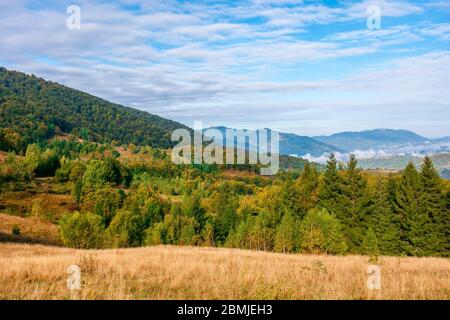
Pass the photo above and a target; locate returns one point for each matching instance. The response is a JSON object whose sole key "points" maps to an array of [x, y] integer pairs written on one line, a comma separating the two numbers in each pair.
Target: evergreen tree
{"points": [[383, 221], [370, 244], [432, 205], [330, 192], [304, 195], [413, 222], [446, 222], [355, 203]]}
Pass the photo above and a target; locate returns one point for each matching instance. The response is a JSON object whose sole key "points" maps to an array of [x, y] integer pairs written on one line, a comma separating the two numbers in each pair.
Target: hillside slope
{"points": [[32, 109], [301, 145]]}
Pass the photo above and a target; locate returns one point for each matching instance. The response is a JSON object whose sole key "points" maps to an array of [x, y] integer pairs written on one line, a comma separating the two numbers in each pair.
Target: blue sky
{"points": [[308, 67]]}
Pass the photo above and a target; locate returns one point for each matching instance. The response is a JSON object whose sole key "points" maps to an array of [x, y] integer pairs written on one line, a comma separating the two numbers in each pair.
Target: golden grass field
{"points": [[166, 272], [31, 230]]}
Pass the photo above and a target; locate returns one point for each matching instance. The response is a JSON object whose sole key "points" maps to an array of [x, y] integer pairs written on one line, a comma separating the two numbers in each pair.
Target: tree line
{"points": [[148, 200]]}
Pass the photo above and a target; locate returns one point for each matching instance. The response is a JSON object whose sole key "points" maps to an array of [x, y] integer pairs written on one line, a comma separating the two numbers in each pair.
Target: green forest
{"points": [[112, 166], [138, 197], [34, 110]]}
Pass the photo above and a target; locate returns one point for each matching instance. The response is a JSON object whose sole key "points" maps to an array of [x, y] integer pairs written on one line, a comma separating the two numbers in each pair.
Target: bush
{"points": [[127, 228], [70, 171], [155, 234], [321, 232], [48, 164], [103, 202], [81, 230], [98, 173], [15, 230]]}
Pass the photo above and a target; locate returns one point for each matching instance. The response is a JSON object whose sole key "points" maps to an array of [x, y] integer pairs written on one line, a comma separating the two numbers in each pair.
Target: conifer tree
{"points": [[383, 221], [355, 202], [370, 244], [447, 224], [304, 195], [432, 205], [407, 207], [330, 192]]}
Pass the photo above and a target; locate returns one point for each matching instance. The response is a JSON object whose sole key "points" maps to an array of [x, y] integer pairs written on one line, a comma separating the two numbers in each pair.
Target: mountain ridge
{"points": [[291, 144], [351, 141], [372, 139], [33, 109]]}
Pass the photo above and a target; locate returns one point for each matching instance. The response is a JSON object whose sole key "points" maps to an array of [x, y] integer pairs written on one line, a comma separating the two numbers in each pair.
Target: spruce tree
{"points": [[355, 204], [447, 224], [413, 233], [370, 244], [432, 205], [330, 192], [304, 191], [383, 221]]}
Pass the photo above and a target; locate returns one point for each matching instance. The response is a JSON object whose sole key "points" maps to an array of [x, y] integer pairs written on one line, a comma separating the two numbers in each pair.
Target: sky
{"points": [[305, 67]]}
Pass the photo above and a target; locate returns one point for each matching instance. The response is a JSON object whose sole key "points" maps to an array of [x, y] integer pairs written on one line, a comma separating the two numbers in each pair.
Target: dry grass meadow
{"points": [[164, 272]]}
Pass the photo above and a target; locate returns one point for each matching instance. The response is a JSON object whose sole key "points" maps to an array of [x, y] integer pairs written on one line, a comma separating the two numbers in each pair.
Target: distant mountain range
{"points": [[292, 144], [380, 142], [372, 139]]}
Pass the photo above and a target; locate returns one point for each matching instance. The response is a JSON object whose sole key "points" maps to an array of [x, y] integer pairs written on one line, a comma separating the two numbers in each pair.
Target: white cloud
{"points": [[439, 30], [388, 8], [190, 60]]}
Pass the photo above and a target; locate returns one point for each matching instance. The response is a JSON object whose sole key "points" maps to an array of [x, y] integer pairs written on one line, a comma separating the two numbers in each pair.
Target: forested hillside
{"points": [[102, 196], [33, 110], [441, 162]]}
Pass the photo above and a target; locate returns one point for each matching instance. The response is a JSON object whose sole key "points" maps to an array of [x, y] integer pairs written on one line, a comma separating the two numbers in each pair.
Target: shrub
{"points": [[98, 173], [81, 230], [103, 202], [155, 234], [127, 228], [48, 164], [70, 171], [37, 210], [15, 230], [321, 232]]}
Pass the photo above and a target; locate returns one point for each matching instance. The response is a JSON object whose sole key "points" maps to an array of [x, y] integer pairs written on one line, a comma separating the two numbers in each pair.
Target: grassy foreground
{"points": [[165, 272]]}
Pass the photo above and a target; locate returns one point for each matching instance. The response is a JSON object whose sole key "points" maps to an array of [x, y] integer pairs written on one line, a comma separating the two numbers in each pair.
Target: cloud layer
{"points": [[298, 66]]}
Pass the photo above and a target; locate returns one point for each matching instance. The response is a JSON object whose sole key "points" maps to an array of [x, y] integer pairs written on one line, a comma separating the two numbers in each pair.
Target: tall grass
{"points": [[164, 272]]}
